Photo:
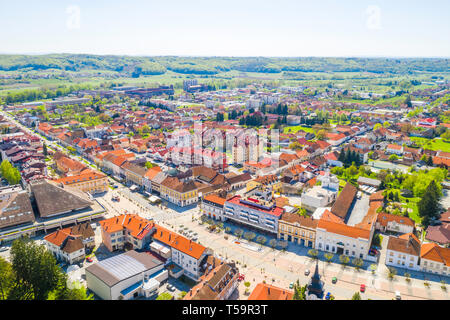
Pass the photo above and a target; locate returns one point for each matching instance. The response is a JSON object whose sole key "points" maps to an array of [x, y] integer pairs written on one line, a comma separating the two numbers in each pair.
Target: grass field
{"points": [[432, 144], [294, 129]]}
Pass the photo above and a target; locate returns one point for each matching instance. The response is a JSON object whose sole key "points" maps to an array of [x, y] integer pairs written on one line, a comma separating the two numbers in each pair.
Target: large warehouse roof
{"points": [[123, 266]]}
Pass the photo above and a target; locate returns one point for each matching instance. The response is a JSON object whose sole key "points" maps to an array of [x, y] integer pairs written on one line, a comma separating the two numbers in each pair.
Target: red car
{"points": [[241, 277], [89, 259], [362, 288]]}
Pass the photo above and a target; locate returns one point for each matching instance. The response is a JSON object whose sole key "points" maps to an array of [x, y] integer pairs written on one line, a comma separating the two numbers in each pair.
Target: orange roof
{"points": [[87, 175], [431, 251], [343, 229], [328, 216], [394, 147], [264, 291], [439, 160], [302, 153], [179, 242], [215, 199], [58, 237], [384, 218], [136, 225], [407, 235], [152, 172], [288, 157]]}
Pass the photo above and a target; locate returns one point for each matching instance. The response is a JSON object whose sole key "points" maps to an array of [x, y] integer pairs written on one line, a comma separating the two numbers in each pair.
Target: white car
{"points": [[398, 295], [3, 249]]}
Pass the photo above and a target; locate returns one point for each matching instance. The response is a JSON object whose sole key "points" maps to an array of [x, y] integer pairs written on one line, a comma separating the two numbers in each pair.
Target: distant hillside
{"points": [[212, 65]]}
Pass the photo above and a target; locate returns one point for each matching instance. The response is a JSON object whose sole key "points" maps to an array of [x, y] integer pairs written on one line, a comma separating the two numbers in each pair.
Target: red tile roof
{"points": [[264, 291], [179, 242]]}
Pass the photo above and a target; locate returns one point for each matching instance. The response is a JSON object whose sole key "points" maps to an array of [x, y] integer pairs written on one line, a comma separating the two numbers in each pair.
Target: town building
{"points": [[298, 229], [218, 283], [257, 210], [70, 244], [126, 276], [185, 255], [403, 252], [126, 231]]}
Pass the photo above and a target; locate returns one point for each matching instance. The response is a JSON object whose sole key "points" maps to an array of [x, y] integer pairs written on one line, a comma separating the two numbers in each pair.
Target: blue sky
{"points": [[227, 28]]}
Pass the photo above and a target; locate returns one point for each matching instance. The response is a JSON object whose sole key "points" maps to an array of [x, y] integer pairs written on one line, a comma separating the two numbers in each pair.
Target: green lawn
{"points": [[294, 129], [432, 144], [412, 204]]}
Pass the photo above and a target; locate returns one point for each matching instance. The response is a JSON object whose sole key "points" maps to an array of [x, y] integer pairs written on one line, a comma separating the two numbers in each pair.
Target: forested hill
{"points": [[213, 65]]}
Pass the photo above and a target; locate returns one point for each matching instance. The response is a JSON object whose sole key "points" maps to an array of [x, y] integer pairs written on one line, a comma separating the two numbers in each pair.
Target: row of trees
{"points": [[33, 274], [10, 173], [348, 157]]}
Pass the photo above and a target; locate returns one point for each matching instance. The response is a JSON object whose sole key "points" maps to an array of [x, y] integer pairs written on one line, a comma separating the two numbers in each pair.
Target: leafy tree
{"points": [[393, 157], [148, 165], [328, 256], [182, 295], [164, 296], [273, 243], [446, 136], [313, 253], [429, 204], [261, 240], [358, 262], [344, 259], [249, 235], [44, 149], [238, 233], [10, 173], [377, 126], [6, 278], [37, 276], [299, 291], [219, 117], [356, 296], [321, 135], [391, 273]]}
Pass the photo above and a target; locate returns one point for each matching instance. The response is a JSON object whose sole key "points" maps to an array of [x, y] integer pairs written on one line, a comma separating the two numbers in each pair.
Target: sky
{"points": [[399, 28]]}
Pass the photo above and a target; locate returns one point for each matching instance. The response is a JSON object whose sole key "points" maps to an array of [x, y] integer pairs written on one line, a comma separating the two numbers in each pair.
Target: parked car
{"points": [[362, 288], [89, 259], [398, 295], [291, 285], [307, 272], [374, 250], [334, 280], [328, 296], [241, 277], [3, 249], [170, 287]]}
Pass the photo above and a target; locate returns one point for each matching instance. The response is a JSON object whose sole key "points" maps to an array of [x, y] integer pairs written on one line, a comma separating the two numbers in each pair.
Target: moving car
{"points": [[334, 280], [241, 277], [307, 272], [291, 285], [362, 288], [89, 259], [328, 296]]}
